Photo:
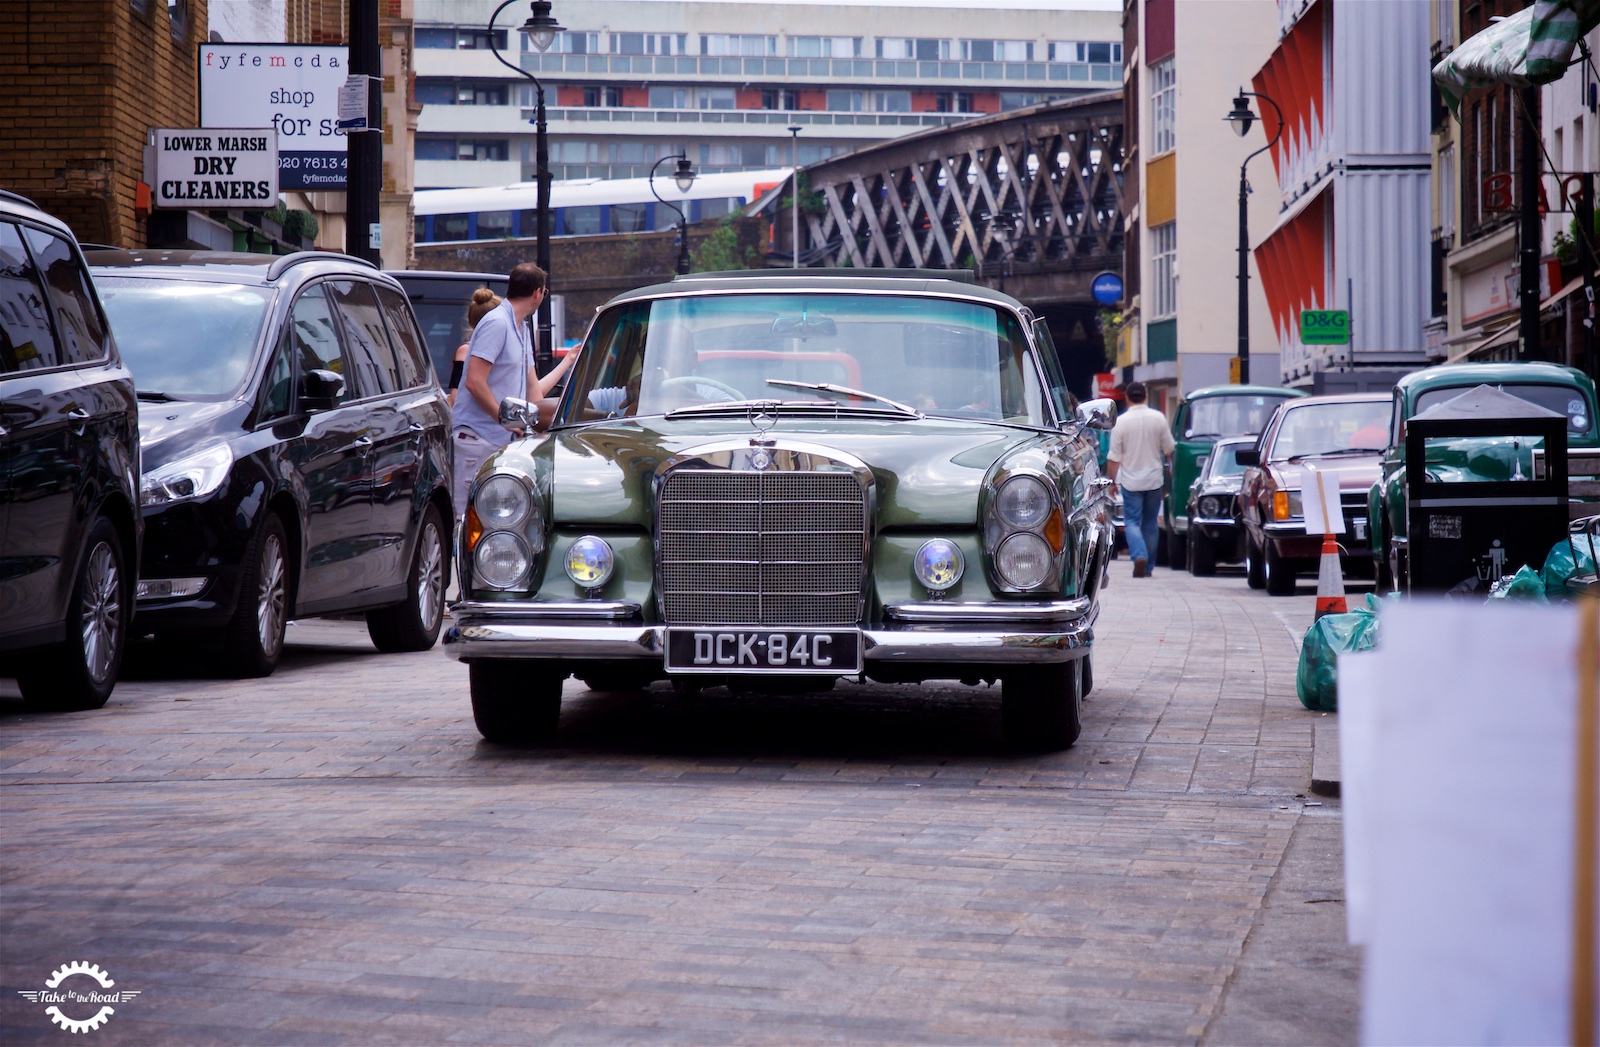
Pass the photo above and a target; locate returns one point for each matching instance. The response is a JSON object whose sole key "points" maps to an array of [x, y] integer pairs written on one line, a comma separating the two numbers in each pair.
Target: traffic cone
{"points": [[1330, 580]]}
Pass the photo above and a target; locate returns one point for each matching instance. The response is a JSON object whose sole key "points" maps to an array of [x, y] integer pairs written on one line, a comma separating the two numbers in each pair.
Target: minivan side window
{"points": [[409, 352], [27, 341], [313, 337], [78, 319], [372, 358]]}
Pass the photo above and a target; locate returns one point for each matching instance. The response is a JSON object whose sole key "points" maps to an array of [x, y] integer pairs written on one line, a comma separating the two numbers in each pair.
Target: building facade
{"points": [[1180, 317], [1353, 187], [628, 83]]}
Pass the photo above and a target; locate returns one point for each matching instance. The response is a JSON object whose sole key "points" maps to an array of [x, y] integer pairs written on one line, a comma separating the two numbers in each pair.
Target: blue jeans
{"points": [[1141, 513]]}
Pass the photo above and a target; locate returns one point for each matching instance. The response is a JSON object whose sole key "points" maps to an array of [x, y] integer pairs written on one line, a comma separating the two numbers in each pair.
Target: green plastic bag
{"points": [[1526, 585], [1559, 565], [1317, 680]]}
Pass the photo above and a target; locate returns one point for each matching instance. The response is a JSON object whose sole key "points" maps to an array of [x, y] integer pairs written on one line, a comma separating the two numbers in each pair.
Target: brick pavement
{"points": [[333, 855]]}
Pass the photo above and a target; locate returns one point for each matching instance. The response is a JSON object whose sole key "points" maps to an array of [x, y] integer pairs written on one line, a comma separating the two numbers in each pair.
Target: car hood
{"points": [[169, 430], [926, 471], [1355, 472]]}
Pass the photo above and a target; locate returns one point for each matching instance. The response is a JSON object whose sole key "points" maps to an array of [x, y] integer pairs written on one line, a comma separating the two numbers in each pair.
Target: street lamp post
{"points": [[684, 177], [794, 195], [541, 28], [1241, 117]]}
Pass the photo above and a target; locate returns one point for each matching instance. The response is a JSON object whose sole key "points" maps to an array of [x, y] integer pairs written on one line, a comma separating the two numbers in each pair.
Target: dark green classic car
{"points": [[1554, 387], [773, 481]]}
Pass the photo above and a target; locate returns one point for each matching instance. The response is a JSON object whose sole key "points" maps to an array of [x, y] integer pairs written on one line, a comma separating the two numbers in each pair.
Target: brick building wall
{"points": [[82, 84]]}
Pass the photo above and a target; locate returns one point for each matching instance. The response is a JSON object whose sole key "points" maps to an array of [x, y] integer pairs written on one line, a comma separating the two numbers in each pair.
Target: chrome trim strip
{"points": [[1031, 611], [552, 640], [544, 609], [1212, 521]]}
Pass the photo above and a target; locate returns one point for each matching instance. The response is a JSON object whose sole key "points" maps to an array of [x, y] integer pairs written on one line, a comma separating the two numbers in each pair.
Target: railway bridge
{"points": [[1031, 200]]}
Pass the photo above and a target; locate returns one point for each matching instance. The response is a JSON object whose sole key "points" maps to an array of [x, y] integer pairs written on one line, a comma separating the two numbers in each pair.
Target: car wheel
{"points": [[80, 672], [1178, 550], [1039, 706], [1088, 676], [1161, 549], [252, 642], [1202, 555], [515, 701], [1279, 571], [1255, 575], [413, 624]]}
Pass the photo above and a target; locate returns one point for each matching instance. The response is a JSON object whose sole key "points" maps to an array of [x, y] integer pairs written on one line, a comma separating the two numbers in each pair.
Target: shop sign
{"points": [[291, 88], [216, 168]]}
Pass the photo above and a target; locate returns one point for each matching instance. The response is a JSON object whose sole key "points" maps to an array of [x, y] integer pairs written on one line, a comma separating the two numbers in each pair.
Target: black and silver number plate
{"points": [[835, 652]]}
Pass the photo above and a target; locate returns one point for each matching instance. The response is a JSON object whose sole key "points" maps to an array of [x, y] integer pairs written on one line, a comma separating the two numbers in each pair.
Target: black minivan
{"points": [[296, 449], [69, 471]]}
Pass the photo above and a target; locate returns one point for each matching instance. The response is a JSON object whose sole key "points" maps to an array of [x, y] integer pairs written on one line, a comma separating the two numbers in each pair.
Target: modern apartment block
{"points": [[1185, 63], [628, 82]]}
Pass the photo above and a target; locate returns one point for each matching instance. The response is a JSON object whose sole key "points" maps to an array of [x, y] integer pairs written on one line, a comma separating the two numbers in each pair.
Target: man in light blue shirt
{"points": [[500, 363]]}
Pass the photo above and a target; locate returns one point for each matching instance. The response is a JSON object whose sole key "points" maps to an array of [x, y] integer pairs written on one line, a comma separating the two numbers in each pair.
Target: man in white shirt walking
{"points": [[1140, 444]]}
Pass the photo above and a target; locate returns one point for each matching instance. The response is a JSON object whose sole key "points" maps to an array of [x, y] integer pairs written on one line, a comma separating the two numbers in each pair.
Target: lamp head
{"points": [[684, 175], [1241, 117], [541, 26]]}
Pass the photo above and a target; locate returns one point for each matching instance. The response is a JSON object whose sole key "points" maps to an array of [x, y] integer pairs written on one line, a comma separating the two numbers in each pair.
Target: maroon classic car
{"points": [[1343, 435]]}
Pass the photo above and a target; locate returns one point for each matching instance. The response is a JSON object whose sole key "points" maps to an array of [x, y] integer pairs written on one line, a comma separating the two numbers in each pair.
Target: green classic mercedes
{"points": [[777, 480]]}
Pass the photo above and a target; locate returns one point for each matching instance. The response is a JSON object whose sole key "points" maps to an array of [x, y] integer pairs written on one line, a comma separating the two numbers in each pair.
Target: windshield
{"points": [[188, 339], [941, 357], [1328, 428], [1216, 416], [1223, 462], [1562, 399]]}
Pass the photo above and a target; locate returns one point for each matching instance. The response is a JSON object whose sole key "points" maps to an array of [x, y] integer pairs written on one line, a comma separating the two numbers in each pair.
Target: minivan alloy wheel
{"points": [[271, 594], [102, 613], [430, 574]]}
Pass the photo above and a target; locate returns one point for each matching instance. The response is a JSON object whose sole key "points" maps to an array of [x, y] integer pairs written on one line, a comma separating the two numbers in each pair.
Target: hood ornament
{"points": [[763, 415]]}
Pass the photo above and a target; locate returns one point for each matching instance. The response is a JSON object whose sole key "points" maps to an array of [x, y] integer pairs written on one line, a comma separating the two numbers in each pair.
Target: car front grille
{"points": [[759, 548]]}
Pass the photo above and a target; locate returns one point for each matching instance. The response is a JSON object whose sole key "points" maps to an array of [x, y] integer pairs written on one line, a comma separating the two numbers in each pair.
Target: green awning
{"points": [[1533, 46]]}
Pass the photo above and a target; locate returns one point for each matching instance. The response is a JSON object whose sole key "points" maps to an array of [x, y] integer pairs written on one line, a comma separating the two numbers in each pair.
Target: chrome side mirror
{"points": [[1098, 414], [516, 413]]}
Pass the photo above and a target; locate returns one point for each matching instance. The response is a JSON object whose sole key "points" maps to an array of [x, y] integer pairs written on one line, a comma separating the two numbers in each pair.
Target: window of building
{"points": [[669, 98], [824, 47], [925, 49], [1079, 51], [1163, 106], [846, 101], [481, 149], [178, 16], [565, 43], [435, 38], [467, 93], [953, 102], [435, 148], [436, 92], [1447, 190], [648, 43], [1164, 271], [715, 98], [455, 38], [749, 45], [891, 101], [997, 50], [775, 99], [1022, 99], [599, 94]]}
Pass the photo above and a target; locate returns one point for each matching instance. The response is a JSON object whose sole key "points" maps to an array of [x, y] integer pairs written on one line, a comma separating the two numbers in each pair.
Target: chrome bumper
{"points": [[1039, 632]]}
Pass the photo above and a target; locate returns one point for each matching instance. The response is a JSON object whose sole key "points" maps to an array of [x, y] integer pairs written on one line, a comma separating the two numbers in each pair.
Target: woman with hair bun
{"points": [[484, 301]]}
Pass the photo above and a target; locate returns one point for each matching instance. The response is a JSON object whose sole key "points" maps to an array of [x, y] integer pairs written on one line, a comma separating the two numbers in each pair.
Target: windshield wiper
{"points": [[845, 390], [741, 406], [1334, 453], [155, 395]]}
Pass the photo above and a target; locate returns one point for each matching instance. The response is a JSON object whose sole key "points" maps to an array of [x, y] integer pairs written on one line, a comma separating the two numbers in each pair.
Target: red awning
{"points": [[1293, 77], [1293, 262]]}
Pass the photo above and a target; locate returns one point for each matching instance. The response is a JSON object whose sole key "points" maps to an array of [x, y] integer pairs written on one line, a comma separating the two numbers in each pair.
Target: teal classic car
{"points": [[1564, 390], [773, 481], [1204, 417]]}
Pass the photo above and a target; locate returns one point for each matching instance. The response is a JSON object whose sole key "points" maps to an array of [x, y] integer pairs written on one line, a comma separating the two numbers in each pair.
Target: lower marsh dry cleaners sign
{"points": [[216, 168]]}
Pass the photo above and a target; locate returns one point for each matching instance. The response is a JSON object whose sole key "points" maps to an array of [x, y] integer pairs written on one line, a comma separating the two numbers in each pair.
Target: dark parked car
{"points": [[1214, 527], [296, 449], [69, 470], [1343, 435], [776, 480]]}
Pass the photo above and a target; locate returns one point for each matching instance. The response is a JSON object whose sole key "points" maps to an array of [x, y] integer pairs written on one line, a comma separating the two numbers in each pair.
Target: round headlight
{"points": [[502, 502], [590, 561], [1210, 505], [1023, 561], [938, 564], [1023, 502], [501, 559]]}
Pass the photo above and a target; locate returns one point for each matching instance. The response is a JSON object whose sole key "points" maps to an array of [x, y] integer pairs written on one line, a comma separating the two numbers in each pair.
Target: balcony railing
{"points": [[834, 70], [598, 114]]}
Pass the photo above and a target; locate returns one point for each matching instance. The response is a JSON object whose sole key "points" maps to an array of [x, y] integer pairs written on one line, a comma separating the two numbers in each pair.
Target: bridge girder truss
{"points": [[1036, 190]]}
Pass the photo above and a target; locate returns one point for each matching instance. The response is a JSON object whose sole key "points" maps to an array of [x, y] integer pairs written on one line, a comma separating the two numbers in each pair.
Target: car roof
{"points": [[233, 266], [1243, 390], [1370, 397], [15, 205], [1446, 375], [877, 281]]}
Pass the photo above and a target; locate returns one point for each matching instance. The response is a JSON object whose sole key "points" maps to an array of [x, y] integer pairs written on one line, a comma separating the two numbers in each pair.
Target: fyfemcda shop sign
{"points": [[291, 88], [216, 168]]}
